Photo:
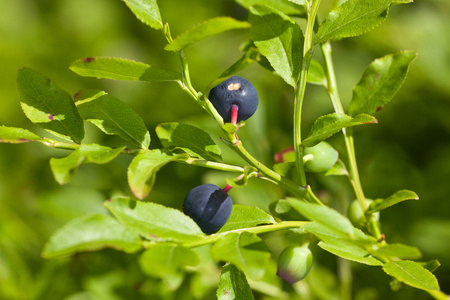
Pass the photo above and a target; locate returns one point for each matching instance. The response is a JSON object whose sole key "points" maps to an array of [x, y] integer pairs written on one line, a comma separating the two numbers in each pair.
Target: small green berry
{"points": [[320, 158], [294, 263]]}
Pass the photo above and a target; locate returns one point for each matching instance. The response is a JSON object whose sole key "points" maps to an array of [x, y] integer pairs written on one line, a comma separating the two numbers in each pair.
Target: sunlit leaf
{"points": [[350, 251], [147, 11], [192, 140], [323, 215], [112, 116], [121, 69], [64, 169], [398, 251], [380, 82], [279, 39], [327, 125], [143, 168], [89, 233], [411, 273], [205, 30], [353, 18], [245, 250], [397, 197], [48, 106], [15, 135], [246, 216], [168, 261], [233, 285], [154, 221], [285, 6]]}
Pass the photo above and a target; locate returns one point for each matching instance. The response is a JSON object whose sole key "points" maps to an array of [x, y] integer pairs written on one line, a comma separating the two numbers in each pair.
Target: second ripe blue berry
{"points": [[209, 206], [235, 99]]}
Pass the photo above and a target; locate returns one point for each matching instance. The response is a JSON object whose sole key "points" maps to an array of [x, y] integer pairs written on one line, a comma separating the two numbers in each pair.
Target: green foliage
{"points": [[121, 69], [48, 106], [205, 30], [154, 221], [91, 232], [279, 39], [245, 250], [163, 252], [190, 139], [233, 284], [112, 116]]}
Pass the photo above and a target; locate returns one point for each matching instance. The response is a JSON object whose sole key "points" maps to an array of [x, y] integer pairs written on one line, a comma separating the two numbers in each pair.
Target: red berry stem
{"points": [[227, 188], [234, 114]]}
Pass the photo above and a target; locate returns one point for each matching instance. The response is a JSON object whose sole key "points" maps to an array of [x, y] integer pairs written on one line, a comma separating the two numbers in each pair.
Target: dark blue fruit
{"points": [[209, 206], [235, 91]]}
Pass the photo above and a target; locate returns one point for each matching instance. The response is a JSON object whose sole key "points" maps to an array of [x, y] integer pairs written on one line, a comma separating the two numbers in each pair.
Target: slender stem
{"points": [[257, 230], [212, 165], [70, 146], [303, 192], [300, 90], [346, 278], [333, 93]]}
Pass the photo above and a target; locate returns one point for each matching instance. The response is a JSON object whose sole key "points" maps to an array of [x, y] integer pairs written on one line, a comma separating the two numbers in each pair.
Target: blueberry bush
{"points": [[306, 200]]}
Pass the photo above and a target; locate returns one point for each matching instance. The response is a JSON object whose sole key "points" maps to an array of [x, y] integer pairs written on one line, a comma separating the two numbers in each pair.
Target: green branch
{"points": [[257, 230], [300, 90]]}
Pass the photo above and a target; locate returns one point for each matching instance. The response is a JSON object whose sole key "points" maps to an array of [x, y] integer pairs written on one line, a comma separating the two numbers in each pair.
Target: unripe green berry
{"points": [[294, 263], [320, 158], [355, 213]]}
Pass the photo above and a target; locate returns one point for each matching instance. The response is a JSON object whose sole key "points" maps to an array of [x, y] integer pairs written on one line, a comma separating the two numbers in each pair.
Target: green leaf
{"points": [[147, 11], [121, 69], [190, 139], [329, 234], [397, 197], [279, 39], [142, 170], [112, 116], [246, 216], [346, 250], [327, 125], [245, 250], [64, 169], [233, 285], [411, 273], [380, 82], [167, 262], [48, 106], [89, 233], [208, 28], [316, 74], [398, 251], [283, 210], [299, 2], [15, 135], [285, 6], [323, 215], [352, 18], [338, 169], [154, 221]]}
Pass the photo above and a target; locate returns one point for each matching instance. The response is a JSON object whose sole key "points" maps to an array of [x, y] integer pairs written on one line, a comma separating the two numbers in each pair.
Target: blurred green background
{"points": [[408, 149]]}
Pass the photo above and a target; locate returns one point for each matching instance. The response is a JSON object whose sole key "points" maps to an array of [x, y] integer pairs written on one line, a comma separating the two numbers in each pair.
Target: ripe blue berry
{"points": [[235, 99], [209, 206], [294, 263]]}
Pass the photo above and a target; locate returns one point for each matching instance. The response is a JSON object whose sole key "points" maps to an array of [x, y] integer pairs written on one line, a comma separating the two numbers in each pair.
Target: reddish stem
{"points": [[227, 188], [234, 114]]}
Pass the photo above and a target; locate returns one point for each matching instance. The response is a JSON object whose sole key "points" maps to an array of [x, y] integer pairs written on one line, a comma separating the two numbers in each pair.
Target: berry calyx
{"points": [[209, 206], [235, 99], [294, 263]]}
